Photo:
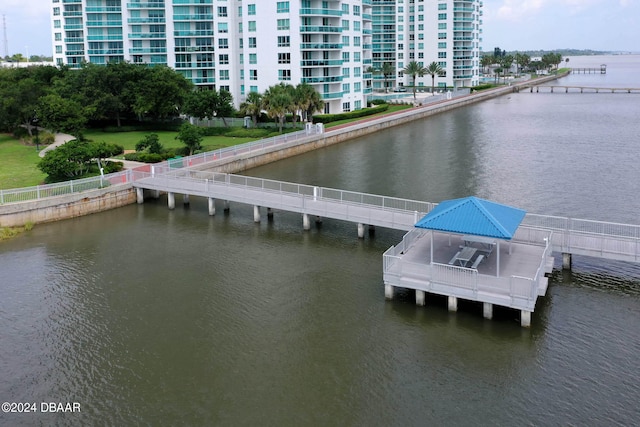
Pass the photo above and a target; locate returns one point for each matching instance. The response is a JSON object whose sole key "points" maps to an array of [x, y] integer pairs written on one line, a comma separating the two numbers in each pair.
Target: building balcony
{"points": [[71, 1], [148, 35], [319, 29], [74, 53], [332, 95], [320, 46], [180, 49], [195, 17], [462, 57], [321, 63], [462, 38], [202, 80], [72, 14], [464, 9], [322, 79], [73, 27], [193, 33], [193, 2], [102, 9], [156, 5], [320, 12], [105, 51], [143, 50], [146, 20], [101, 37], [104, 24]]}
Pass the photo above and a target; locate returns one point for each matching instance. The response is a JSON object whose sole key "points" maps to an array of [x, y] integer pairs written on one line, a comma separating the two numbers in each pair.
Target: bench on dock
{"points": [[455, 257], [477, 261]]}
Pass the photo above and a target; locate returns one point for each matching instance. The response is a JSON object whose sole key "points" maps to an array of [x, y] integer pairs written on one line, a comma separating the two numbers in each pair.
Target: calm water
{"points": [[150, 316]]}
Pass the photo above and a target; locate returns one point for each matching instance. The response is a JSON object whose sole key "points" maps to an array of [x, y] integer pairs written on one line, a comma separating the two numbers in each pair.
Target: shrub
{"points": [[328, 118], [378, 101]]}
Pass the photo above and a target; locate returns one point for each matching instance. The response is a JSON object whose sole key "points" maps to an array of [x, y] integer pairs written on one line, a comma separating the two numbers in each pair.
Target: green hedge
{"points": [[328, 118], [150, 157]]}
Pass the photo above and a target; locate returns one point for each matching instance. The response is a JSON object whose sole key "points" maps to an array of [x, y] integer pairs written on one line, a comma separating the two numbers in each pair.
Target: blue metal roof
{"points": [[471, 215]]}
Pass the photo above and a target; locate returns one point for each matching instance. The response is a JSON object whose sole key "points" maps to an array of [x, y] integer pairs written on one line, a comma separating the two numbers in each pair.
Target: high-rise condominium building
{"points": [[338, 46]]}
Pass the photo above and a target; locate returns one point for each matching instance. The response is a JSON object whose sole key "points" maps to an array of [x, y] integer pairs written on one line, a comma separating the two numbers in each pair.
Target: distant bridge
{"points": [[558, 88]]}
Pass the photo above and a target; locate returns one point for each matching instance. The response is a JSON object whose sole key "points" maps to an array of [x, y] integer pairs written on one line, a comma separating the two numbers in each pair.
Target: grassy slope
{"points": [[18, 164]]}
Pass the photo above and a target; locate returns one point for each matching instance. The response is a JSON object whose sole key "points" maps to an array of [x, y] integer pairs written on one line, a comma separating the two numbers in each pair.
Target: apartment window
{"points": [[253, 42], [442, 45], [345, 56], [224, 74], [346, 87], [356, 10], [241, 58], [227, 88], [241, 89], [345, 24], [356, 56], [253, 74], [442, 25], [284, 74], [284, 41], [345, 40], [345, 9], [284, 58], [345, 72], [223, 43], [253, 88], [420, 55], [357, 105], [282, 7], [223, 58], [346, 107], [56, 23], [222, 11], [357, 87], [283, 24], [56, 11], [356, 25], [253, 58], [442, 36], [58, 49], [442, 16], [58, 37], [442, 6], [357, 71], [252, 26], [251, 9], [239, 10], [356, 41], [223, 27]]}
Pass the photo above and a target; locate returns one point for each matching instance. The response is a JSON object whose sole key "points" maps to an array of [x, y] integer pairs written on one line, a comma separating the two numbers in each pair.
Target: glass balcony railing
{"points": [[147, 35], [146, 20], [319, 29], [104, 23], [321, 63], [322, 12], [322, 79], [321, 46]]}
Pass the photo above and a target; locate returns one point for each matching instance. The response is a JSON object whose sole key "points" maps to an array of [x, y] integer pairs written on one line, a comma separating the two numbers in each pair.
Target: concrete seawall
{"points": [[67, 206], [88, 202]]}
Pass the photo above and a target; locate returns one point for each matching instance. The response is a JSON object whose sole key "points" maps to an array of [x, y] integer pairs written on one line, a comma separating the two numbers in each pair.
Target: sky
{"points": [[607, 25]]}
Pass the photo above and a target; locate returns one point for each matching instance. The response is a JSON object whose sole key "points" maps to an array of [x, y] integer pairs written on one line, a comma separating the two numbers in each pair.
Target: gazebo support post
{"points": [[566, 261], [487, 310], [525, 318], [420, 297], [388, 291], [360, 230], [452, 303]]}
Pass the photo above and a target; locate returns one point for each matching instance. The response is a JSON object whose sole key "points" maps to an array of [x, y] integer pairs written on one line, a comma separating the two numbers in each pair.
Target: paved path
{"points": [[61, 138]]}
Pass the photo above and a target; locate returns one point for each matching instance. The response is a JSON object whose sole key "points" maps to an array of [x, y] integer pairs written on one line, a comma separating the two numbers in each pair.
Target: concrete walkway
{"points": [[61, 138]]}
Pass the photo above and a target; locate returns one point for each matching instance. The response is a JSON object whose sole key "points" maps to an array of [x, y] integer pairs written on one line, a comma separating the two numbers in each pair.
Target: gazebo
{"points": [[478, 220]]}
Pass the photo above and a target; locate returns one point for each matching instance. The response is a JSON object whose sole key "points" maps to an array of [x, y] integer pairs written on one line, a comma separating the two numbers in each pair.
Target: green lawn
{"points": [[18, 164]]}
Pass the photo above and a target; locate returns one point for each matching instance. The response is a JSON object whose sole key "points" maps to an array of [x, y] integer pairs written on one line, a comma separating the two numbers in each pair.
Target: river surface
{"points": [[146, 316]]}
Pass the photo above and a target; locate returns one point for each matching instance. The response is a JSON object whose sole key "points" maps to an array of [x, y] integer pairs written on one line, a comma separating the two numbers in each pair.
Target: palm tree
{"points": [[433, 69], [387, 70], [252, 106], [414, 69], [486, 61], [277, 102], [307, 100]]}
